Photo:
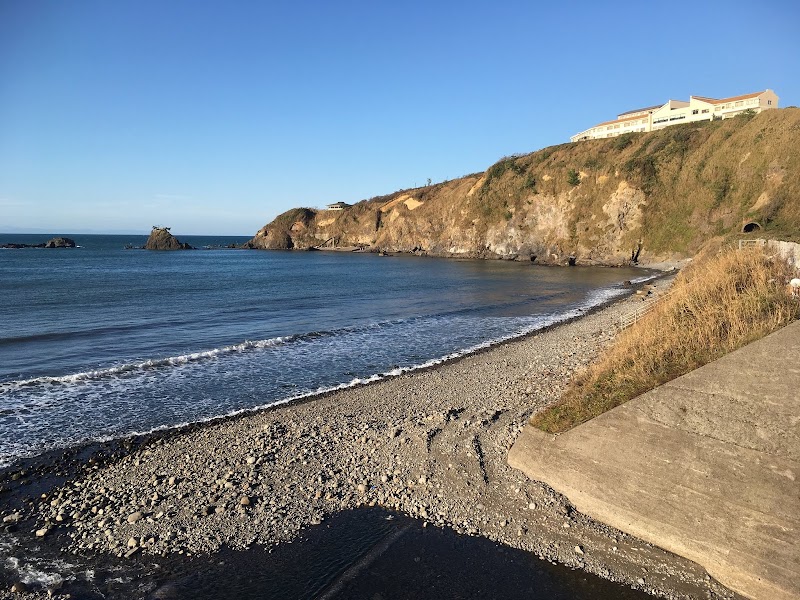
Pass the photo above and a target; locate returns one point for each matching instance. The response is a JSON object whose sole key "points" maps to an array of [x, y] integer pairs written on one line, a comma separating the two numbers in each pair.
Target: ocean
{"points": [[100, 341]]}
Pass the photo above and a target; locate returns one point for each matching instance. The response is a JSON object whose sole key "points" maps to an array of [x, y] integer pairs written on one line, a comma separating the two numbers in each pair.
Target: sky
{"points": [[214, 117]]}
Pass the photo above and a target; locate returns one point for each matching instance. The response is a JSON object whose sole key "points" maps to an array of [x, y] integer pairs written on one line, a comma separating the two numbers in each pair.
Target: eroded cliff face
{"points": [[596, 201]]}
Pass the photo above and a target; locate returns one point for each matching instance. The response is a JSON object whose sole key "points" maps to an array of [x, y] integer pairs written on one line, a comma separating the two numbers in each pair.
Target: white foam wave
{"points": [[532, 324], [645, 278], [146, 365], [34, 571]]}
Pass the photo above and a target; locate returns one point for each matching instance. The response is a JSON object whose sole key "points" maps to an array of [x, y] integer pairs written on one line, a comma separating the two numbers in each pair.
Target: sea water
{"points": [[100, 341]]}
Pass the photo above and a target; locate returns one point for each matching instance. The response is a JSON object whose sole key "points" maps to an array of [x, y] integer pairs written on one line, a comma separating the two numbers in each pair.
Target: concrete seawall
{"points": [[706, 466]]}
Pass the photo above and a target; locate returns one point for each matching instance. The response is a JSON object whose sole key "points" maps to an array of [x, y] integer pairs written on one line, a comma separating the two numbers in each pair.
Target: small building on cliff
{"points": [[338, 206], [675, 112]]}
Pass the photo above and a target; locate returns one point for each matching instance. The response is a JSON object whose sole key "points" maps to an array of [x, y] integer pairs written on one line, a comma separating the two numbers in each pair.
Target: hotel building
{"points": [[674, 112]]}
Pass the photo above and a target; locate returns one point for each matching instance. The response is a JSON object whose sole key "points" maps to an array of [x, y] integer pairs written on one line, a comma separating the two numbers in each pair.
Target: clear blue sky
{"points": [[214, 117]]}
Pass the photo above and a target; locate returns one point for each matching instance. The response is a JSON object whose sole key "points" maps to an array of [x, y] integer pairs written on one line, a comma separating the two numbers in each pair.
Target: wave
{"points": [[594, 298], [145, 365], [183, 359], [536, 323], [71, 334], [645, 278]]}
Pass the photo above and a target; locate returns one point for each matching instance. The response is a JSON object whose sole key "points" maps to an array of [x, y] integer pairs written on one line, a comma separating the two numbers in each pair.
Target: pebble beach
{"points": [[431, 444]]}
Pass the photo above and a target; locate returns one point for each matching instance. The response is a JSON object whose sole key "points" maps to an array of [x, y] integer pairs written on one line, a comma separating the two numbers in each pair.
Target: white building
{"points": [[338, 206], [674, 112]]}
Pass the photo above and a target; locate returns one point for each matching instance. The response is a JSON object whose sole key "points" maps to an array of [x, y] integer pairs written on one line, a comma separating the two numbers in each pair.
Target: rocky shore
{"points": [[431, 444]]}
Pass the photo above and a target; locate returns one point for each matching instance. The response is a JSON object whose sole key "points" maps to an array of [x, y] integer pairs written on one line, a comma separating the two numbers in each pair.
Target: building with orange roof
{"points": [[675, 112]]}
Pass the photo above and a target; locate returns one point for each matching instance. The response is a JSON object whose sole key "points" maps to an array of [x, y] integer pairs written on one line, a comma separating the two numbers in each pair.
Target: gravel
{"points": [[431, 444]]}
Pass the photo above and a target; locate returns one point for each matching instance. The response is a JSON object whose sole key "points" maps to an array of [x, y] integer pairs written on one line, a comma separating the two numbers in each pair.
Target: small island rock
{"points": [[56, 242], [161, 239], [60, 242]]}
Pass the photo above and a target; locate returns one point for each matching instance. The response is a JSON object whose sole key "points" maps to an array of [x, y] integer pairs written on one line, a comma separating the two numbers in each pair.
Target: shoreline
{"points": [[430, 443], [90, 447]]}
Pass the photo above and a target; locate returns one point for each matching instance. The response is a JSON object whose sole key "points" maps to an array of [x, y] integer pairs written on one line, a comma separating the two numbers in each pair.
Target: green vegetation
{"points": [[529, 183], [643, 172], [623, 141], [498, 169], [717, 304], [573, 178], [721, 187]]}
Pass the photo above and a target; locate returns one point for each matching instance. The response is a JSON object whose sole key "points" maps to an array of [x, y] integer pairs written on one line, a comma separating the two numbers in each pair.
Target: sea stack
{"points": [[161, 239], [60, 242]]}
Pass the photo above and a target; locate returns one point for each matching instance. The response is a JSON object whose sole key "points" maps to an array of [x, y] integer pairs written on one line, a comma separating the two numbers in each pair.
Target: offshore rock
{"points": [[161, 239], [56, 242], [60, 242]]}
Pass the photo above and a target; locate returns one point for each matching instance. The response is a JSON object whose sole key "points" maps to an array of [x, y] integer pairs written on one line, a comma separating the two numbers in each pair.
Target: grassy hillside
{"points": [[721, 302], [599, 200]]}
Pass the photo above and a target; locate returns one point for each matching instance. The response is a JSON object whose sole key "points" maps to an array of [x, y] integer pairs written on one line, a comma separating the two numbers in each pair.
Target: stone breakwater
{"points": [[431, 444]]}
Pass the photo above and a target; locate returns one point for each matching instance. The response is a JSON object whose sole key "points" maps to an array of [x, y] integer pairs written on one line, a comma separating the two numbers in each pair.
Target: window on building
{"points": [[769, 102], [739, 103], [695, 111], [705, 110]]}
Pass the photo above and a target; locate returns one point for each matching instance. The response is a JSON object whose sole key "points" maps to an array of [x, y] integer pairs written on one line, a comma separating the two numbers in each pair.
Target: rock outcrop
{"points": [[287, 232], [161, 239], [56, 242], [648, 196], [60, 242]]}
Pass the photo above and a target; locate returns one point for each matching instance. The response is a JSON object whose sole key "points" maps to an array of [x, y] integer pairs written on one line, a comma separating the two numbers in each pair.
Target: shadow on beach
{"points": [[373, 553], [362, 553]]}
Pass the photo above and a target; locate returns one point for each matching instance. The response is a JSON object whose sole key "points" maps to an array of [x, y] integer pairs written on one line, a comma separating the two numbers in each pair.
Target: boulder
{"points": [[161, 239]]}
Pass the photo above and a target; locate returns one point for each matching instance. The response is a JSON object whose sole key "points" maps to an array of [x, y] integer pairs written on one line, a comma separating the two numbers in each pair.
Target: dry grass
{"points": [[716, 305]]}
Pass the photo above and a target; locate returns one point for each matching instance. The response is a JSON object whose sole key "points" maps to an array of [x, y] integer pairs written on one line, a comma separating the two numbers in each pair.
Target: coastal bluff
{"points": [[636, 198], [161, 239]]}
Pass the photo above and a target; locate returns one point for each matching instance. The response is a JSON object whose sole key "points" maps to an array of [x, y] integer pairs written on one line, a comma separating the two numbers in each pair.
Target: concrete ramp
{"points": [[706, 466]]}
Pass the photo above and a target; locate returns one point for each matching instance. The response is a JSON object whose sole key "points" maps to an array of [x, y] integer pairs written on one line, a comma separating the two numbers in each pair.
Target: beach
{"points": [[431, 444]]}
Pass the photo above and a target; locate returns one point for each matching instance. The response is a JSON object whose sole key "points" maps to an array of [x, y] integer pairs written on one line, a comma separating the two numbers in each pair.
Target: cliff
{"points": [[161, 239], [652, 196]]}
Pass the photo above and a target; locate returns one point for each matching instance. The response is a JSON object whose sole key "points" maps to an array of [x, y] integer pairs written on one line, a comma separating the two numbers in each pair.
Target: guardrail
{"points": [[640, 312]]}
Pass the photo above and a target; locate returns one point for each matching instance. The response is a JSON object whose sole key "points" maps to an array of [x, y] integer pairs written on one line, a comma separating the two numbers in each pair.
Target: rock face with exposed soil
{"points": [[637, 197]]}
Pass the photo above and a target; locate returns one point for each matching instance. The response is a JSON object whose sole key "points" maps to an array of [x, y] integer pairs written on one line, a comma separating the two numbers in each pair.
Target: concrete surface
{"points": [[706, 466]]}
